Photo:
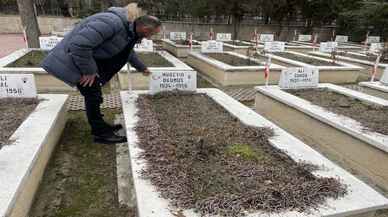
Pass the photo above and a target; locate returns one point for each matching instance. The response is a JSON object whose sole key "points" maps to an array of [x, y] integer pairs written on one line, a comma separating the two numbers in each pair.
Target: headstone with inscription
{"points": [[212, 47], [224, 37], [304, 38], [48, 43], [384, 78], [17, 86], [373, 39], [342, 38], [145, 46], [177, 36], [328, 47], [266, 37], [299, 77], [161, 81], [275, 46], [376, 47]]}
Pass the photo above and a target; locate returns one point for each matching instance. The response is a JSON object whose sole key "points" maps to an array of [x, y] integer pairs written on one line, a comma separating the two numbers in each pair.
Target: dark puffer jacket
{"points": [[96, 38]]}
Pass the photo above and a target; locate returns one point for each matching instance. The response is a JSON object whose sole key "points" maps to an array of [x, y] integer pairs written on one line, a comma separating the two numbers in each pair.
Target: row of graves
{"points": [[224, 61], [31, 126], [310, 147], [218, 171]]}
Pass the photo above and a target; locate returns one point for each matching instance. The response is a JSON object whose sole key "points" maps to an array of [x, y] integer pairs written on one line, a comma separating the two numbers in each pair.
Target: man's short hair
{"points": [[148, 21]]}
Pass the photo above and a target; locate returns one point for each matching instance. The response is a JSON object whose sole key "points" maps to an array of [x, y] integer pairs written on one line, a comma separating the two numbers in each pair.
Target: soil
{"points": [[31, 60], [371, 58], [372, 117], [81, 179], [11, 118], [260, 57], [307, 60], [237, 43], [154, 60], [233, 60], [220, 166], [185, 42], [293, 44]]}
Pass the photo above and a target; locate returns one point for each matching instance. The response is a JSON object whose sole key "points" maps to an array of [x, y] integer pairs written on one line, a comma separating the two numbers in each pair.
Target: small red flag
{"points": [[191, 40]]}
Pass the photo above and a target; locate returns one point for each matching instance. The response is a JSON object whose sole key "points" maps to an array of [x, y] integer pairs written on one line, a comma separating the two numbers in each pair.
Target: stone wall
{"points": [[12, 24]]}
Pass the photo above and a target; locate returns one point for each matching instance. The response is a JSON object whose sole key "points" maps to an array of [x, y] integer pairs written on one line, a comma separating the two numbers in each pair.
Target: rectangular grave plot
{"points": [[234, 60], [372, 117], [210, 128], [10, 119], [153, 59], [31, 59], [307, 60], [370, 58], [185, 42], [191, 154], [237, 43], [26, 152]]}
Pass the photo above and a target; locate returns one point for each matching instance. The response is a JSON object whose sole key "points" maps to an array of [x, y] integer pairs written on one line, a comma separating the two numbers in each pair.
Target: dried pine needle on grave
{"points": [[200, 157]]}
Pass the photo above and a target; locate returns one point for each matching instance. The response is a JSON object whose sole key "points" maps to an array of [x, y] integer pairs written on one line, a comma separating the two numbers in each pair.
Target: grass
{"points": [[31, 60], [80, 180], [245, 151]]}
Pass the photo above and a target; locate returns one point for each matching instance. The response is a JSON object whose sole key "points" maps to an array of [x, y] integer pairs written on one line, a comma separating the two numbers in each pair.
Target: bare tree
{"points": [[29, 22]]}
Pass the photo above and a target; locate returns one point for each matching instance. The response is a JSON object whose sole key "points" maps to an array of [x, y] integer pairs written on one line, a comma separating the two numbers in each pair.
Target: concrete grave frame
{"points": [[299, 48], [292, 46], [362, 200], [337, 136], [179, 50], [375, 88], [359, 62], [141, 82], [345, 73], [223, 74], [338, 121], [44, 81], [240, 49], [23, 161], [341, 47]]}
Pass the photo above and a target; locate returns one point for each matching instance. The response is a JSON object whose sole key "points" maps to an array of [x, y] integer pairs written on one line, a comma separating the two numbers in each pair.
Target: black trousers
{"points": [[93, 99], [107, 68]]}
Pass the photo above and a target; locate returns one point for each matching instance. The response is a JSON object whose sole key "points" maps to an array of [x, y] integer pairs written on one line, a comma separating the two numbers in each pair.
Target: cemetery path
{"points": [[81, 179], [10, 43]]}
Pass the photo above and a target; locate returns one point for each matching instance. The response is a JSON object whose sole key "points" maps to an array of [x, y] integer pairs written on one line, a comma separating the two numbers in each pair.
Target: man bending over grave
{"points": [[91, 54]]}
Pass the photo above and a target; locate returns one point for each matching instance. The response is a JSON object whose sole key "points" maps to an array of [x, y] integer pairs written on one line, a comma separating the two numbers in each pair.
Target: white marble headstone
{"points": [[299, 77], [212, 47], [342, 38], [328, 47], [384, 78], [224, 36], [304, 38], [173, 80], [275, 46], [145, 46], [373, 39], [177, 36], [17, 86], [376, 47], [48, 43], [266, 37]]}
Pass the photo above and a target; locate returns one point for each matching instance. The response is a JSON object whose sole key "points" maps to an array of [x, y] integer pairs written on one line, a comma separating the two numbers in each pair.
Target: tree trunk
{"points": [[29, 22], [236, 24]]}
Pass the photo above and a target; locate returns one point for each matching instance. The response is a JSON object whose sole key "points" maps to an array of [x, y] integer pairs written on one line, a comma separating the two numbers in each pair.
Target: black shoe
{"points": [[116, 127], [109, 138]]}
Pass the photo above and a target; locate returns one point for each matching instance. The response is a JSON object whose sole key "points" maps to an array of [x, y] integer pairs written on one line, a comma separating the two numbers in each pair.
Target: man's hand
{"points": [[146, 72], [87, 80]]}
